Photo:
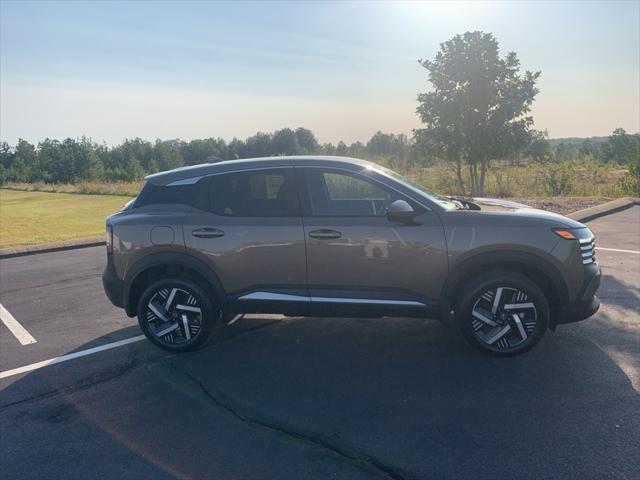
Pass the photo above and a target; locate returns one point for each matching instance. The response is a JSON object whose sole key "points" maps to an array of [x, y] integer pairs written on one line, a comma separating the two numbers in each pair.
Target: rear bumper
{"points": [[113, 286]]}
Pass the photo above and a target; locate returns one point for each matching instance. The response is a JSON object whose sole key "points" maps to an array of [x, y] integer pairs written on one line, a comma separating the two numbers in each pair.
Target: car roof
{"points": [[196, 171]]}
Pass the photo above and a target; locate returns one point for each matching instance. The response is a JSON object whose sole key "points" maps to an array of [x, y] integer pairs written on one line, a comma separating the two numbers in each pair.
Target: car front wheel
{"points": [[503, 313], [176, 314]]}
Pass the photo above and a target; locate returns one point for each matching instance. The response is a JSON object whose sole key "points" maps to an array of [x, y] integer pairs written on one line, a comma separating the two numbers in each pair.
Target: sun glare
{"points": [[449, 12]]}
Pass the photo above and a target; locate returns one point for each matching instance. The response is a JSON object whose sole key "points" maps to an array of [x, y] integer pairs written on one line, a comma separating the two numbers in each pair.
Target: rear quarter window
{"points": [[169, 195]]}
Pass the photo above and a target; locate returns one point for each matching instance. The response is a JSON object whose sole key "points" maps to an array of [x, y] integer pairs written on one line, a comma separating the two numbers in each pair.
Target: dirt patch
{"points": [[561, 205]]}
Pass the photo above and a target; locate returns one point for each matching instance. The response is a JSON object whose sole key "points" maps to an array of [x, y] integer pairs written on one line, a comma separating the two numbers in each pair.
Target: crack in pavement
{"points": [[240, 333], [85, 383], [131, 365], [52, 283], [362, 460]]}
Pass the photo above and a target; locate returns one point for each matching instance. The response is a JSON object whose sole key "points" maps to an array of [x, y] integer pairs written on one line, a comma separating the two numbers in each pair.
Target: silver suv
{"points": [[333, 236]]}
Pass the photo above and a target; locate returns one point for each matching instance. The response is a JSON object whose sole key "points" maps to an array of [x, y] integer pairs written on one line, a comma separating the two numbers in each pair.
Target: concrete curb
{"points": [[605, 209], [11, 252]]}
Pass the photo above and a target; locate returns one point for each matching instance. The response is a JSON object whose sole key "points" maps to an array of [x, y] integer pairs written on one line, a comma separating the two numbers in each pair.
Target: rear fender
{"points": [[171, 259]]}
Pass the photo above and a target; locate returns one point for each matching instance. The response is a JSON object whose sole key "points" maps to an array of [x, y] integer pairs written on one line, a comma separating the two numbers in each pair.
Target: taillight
{"points": [[109, 239]]}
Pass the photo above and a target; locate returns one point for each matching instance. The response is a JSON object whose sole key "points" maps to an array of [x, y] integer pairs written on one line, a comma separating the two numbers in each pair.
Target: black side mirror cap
{"points": [[401, 211]]}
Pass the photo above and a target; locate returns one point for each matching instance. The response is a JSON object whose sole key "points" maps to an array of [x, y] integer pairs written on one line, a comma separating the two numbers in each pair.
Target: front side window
{"points": [[256, 193], [345, 194], [444, 202]]}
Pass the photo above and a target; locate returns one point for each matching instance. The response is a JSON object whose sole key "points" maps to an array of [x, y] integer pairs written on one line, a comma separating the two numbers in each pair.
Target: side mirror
{"points": [[400, 211]]}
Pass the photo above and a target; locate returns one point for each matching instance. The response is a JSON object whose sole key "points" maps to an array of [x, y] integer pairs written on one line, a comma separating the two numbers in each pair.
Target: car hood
{"points": [[494, 204], [509, 207]]}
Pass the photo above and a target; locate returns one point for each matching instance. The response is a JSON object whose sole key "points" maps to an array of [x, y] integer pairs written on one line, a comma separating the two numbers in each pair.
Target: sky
{"points": [[345, 70]]}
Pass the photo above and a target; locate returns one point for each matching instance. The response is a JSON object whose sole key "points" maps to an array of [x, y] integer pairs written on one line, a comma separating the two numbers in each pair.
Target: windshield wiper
{"points": [[460, 205]]}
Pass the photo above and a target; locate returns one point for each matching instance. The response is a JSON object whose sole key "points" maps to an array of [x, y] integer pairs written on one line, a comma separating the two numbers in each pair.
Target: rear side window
{"points": [[159, 195], [256, 193]]}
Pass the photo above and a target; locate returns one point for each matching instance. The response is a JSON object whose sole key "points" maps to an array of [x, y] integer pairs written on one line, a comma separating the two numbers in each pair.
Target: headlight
{"points": [[585, 238], [574, 233]]}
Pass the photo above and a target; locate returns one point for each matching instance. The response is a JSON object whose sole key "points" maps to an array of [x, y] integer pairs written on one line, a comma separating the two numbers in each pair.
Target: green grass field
{"points": [[32, 218]]}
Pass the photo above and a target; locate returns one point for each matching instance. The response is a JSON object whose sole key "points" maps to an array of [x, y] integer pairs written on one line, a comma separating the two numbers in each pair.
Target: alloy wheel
{"points": [[504, 318], [174, 316]]}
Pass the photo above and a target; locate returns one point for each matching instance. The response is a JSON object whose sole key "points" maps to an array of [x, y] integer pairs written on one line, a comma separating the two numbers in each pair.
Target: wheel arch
{"points": [[540, 270], [149, 268]]}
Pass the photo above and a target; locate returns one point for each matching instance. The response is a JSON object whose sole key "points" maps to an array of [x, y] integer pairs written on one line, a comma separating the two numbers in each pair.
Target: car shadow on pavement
{"points": [[616, 293], [343, 398]]}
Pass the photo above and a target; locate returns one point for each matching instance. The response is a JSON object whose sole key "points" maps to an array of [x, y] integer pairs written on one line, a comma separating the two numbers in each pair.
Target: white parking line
{"points": [[70, 356], [18, 330], [617, 250]]}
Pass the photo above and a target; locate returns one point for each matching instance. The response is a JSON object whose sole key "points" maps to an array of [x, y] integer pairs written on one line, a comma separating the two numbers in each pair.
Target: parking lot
{"points": [[313, 398]]}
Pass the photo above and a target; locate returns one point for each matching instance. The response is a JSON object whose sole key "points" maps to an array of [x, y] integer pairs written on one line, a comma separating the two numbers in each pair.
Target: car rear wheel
{"points": [[503, 313], [176, 314]]}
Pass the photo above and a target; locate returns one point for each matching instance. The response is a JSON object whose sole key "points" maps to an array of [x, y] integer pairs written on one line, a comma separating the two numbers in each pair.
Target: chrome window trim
{"points": [[362, 172], [185, 181], [195, 179]]}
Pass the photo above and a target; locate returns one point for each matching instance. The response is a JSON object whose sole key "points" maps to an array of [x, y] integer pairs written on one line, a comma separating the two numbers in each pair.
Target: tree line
{"points": [[75, 160]]}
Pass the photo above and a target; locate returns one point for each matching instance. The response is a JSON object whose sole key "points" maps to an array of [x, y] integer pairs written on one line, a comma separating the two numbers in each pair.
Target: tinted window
{"points": [[343, 194], [179, 194], [256, 193], [347, 187]]}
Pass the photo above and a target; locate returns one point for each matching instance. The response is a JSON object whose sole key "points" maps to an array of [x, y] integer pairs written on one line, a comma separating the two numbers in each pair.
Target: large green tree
{"points": [[284, 142], [477, 110], [621, 148], [306, 141]]}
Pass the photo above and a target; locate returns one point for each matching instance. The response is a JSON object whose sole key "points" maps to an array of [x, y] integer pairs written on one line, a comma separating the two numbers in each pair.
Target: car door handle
{"points": [[207, 233], [325, 234]]}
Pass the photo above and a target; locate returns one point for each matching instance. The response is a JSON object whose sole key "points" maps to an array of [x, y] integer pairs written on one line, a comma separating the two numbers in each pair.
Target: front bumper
{"points": [[113, 286], [588, 303], [582, 310]]}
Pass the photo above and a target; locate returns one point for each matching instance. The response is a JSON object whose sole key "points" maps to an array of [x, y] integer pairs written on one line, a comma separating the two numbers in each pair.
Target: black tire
{"points": [[182, 309], [503, 313]]}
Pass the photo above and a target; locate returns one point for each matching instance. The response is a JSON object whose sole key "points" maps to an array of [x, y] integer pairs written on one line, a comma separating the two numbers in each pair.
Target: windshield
{"points": [[434, 197]]}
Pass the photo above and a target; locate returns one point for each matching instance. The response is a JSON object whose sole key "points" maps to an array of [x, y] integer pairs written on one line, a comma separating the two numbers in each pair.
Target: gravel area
{"points": [[561, 205]]}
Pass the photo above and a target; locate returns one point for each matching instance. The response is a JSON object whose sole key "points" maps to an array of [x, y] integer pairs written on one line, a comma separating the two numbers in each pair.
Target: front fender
{"points": [[485, 261]]}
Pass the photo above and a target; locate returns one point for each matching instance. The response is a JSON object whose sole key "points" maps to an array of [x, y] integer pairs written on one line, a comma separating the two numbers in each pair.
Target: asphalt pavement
{"points": [[314, 398]]}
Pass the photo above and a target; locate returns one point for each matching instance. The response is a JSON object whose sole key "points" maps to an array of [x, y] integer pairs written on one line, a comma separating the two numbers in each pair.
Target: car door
{"points": [[355, 255], [251, 234]]}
